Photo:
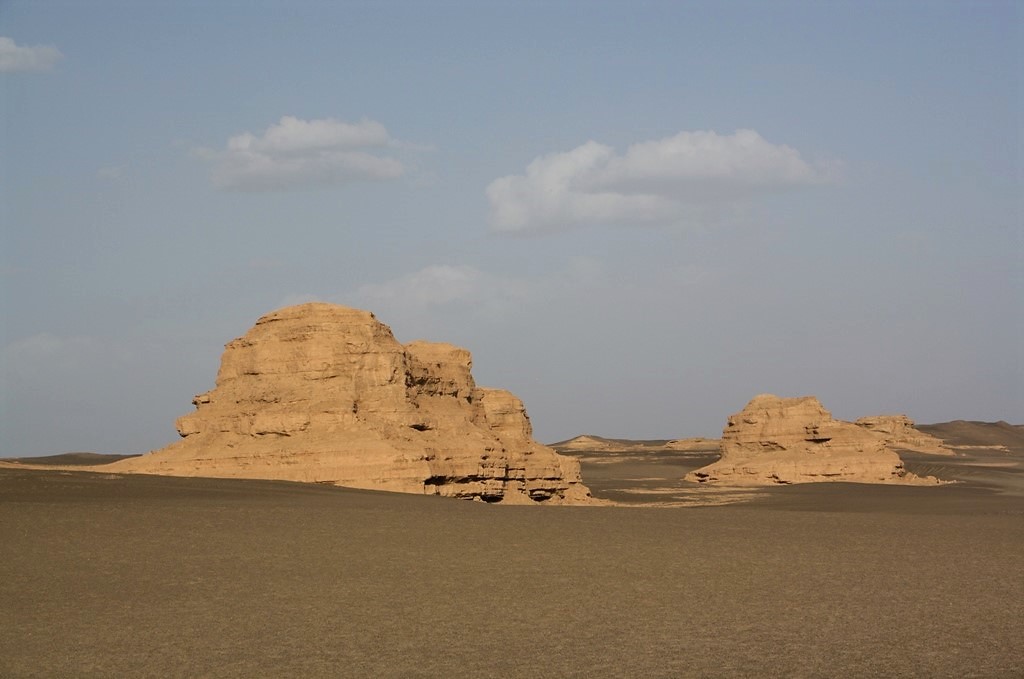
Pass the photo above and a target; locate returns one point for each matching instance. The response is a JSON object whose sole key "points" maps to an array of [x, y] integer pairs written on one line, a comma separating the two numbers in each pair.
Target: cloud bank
{"points": [[653, 181], [296, 153], [15, 58]]}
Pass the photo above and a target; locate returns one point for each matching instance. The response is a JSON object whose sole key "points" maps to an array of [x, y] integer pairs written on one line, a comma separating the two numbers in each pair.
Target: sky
{"points": [[637, 216]]}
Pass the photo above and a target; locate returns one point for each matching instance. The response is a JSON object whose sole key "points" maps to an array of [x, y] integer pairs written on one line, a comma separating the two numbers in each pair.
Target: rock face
{"points": [[899, 432], [795, 440], [324, 393]]}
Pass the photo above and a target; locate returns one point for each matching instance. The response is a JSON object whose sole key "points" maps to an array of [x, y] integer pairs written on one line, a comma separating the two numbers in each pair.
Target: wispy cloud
{"points": [[15, 57], [451, 293], [653, 181], [440, 285], [296, 153]]}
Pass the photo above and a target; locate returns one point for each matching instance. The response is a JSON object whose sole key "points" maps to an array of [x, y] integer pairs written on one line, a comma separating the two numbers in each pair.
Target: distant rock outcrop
{"points": [[695, 444], [324, 393], [588, 443], [971, 435], [899, 432], [795, 440], [597, 444]]}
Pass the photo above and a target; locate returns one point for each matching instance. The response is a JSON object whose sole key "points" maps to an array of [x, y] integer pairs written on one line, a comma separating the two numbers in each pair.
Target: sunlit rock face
{"points": [[777, 440], [325, 393], [899, 432]]}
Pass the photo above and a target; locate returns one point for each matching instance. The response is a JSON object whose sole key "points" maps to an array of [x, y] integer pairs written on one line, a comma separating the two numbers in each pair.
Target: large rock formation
{"points": [[324, 393], [795, 440], [899, 432]]}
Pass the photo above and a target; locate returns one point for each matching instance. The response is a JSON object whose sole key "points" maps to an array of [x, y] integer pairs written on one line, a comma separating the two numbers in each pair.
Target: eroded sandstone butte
{"points": [[795, 440], [899, 432], [325, 393]]}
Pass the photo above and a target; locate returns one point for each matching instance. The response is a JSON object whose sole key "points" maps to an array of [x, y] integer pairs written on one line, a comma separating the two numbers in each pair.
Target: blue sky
{"points": [[637, 216]]}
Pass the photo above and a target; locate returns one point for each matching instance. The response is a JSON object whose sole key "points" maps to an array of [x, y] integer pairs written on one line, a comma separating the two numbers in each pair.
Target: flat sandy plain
{"points": [[139, 576]]}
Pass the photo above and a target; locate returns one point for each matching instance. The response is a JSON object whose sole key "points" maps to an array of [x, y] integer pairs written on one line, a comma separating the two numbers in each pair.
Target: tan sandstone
{"points": [[777, 440], [899, 432], [325, 393]]}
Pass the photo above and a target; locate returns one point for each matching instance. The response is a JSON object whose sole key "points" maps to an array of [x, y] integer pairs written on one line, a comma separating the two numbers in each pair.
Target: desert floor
{"points": [[135, 576]]}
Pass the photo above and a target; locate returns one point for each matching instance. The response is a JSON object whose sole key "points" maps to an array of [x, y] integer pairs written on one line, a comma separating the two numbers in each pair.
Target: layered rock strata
{"points": [[899, 432], [325, 393], [777, 440]]}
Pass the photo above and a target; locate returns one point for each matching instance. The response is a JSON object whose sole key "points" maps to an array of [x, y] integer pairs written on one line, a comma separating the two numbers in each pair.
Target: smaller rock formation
{"points": [[777, 440], [899, 433]]}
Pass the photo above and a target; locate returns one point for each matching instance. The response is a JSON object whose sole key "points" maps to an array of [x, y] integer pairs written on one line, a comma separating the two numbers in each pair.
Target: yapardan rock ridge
{"points": [[325, 393]]}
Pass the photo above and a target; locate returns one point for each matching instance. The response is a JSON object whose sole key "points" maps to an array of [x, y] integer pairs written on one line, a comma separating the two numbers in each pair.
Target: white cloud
{"points": [[653, 181], [549, 195], [17, 58], [296, 153]]}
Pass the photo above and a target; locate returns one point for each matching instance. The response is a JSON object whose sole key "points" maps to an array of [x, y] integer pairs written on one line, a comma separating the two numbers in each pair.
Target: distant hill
{"points": [[592, 443], [961, 433], [72, 459]]}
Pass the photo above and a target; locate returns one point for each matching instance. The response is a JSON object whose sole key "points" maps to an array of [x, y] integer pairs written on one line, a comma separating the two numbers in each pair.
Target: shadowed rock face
{"points": [[795, 440], [324, 393]]}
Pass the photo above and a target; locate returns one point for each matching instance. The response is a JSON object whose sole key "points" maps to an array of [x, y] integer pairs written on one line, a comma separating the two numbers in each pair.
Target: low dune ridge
{"points": [[974, 434], [71, 459]]}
